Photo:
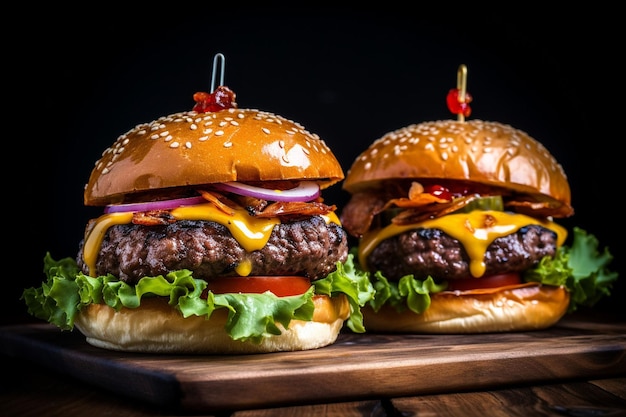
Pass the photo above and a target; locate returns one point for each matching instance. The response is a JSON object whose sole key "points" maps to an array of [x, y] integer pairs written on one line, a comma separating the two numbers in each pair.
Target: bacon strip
{"points": [[289, 209], [215, 198], [359, 214]]}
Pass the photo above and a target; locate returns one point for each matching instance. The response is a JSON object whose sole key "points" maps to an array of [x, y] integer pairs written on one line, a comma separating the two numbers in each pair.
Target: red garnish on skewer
{"points": [[456, 106], [458, 99], [220, 99]]}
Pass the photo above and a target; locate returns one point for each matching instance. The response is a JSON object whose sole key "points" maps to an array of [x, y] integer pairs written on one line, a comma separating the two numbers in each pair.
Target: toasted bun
{"points": [[155, 327], [489, 153], [531, 307], [191, 149]]}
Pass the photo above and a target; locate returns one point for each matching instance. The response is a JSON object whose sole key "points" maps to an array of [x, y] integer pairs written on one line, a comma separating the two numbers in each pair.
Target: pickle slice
{"points": [[492, 202]]}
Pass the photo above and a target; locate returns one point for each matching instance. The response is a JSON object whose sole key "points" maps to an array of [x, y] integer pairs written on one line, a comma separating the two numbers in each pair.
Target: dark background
{"points": [[82, 78]]}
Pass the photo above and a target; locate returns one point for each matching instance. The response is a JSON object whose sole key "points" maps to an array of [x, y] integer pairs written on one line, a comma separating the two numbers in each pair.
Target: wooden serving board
{"points": [[356, 367]]}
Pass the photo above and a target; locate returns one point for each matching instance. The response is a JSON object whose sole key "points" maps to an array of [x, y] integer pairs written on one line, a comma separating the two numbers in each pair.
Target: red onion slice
{"points": [[305, 191], [154, 205]]}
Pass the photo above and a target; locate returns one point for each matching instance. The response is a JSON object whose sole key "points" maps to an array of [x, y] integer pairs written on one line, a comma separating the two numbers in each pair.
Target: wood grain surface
{"points": [[358, 367]]}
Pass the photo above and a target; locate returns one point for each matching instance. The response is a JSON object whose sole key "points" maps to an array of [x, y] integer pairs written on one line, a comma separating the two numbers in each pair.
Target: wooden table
{"points": [[576, 368]]}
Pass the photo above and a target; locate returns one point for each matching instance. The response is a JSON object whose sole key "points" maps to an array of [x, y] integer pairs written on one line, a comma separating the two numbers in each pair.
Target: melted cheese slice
{"points": [[475, 230], [251, 232]]}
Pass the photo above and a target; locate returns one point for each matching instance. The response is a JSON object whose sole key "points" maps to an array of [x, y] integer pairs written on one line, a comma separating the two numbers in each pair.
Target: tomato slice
{"points": [[492, 281], [281, 286]]}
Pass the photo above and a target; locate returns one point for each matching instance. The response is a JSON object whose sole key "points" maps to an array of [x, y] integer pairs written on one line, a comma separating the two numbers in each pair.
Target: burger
{"points": [[456, 224], [214, 238]]}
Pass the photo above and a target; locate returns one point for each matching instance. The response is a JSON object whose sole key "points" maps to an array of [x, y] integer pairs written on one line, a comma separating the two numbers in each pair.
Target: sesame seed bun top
{"points": [[489, 153], [190, 149]]}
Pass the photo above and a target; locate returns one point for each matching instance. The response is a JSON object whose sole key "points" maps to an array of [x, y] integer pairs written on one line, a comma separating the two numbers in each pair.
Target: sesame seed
{"points": [[219, 133], [174, 145], [188, 145], [203, 138], [265, 130], [228, 144], [193, 126]]}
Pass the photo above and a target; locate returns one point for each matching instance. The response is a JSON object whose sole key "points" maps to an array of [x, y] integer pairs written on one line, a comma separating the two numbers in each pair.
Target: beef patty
{"points": [[423, 252], [309, 248]]}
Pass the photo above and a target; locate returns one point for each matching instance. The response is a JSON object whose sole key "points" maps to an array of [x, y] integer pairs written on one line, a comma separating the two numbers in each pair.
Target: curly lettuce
{"points": [[581, 268], [251, 317]]}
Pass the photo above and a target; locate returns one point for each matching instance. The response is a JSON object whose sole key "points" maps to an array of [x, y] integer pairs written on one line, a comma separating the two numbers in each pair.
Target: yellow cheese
{"points": [[94, 240], [251, 232], [331, 218], [475, 230]]}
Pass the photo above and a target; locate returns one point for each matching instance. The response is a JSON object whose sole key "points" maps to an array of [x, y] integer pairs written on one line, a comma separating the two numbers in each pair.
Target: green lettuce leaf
{"points": [[251, 317], [581, 268], [352, 282], [409, 292]]}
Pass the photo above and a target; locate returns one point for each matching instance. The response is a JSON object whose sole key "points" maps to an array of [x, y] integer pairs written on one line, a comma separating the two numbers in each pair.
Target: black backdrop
{"points": [[82, 78]]}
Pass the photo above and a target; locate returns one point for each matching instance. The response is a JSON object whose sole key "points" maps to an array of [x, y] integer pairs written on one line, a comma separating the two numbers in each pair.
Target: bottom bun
{"points": [[530, 307], [155, 327]]}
